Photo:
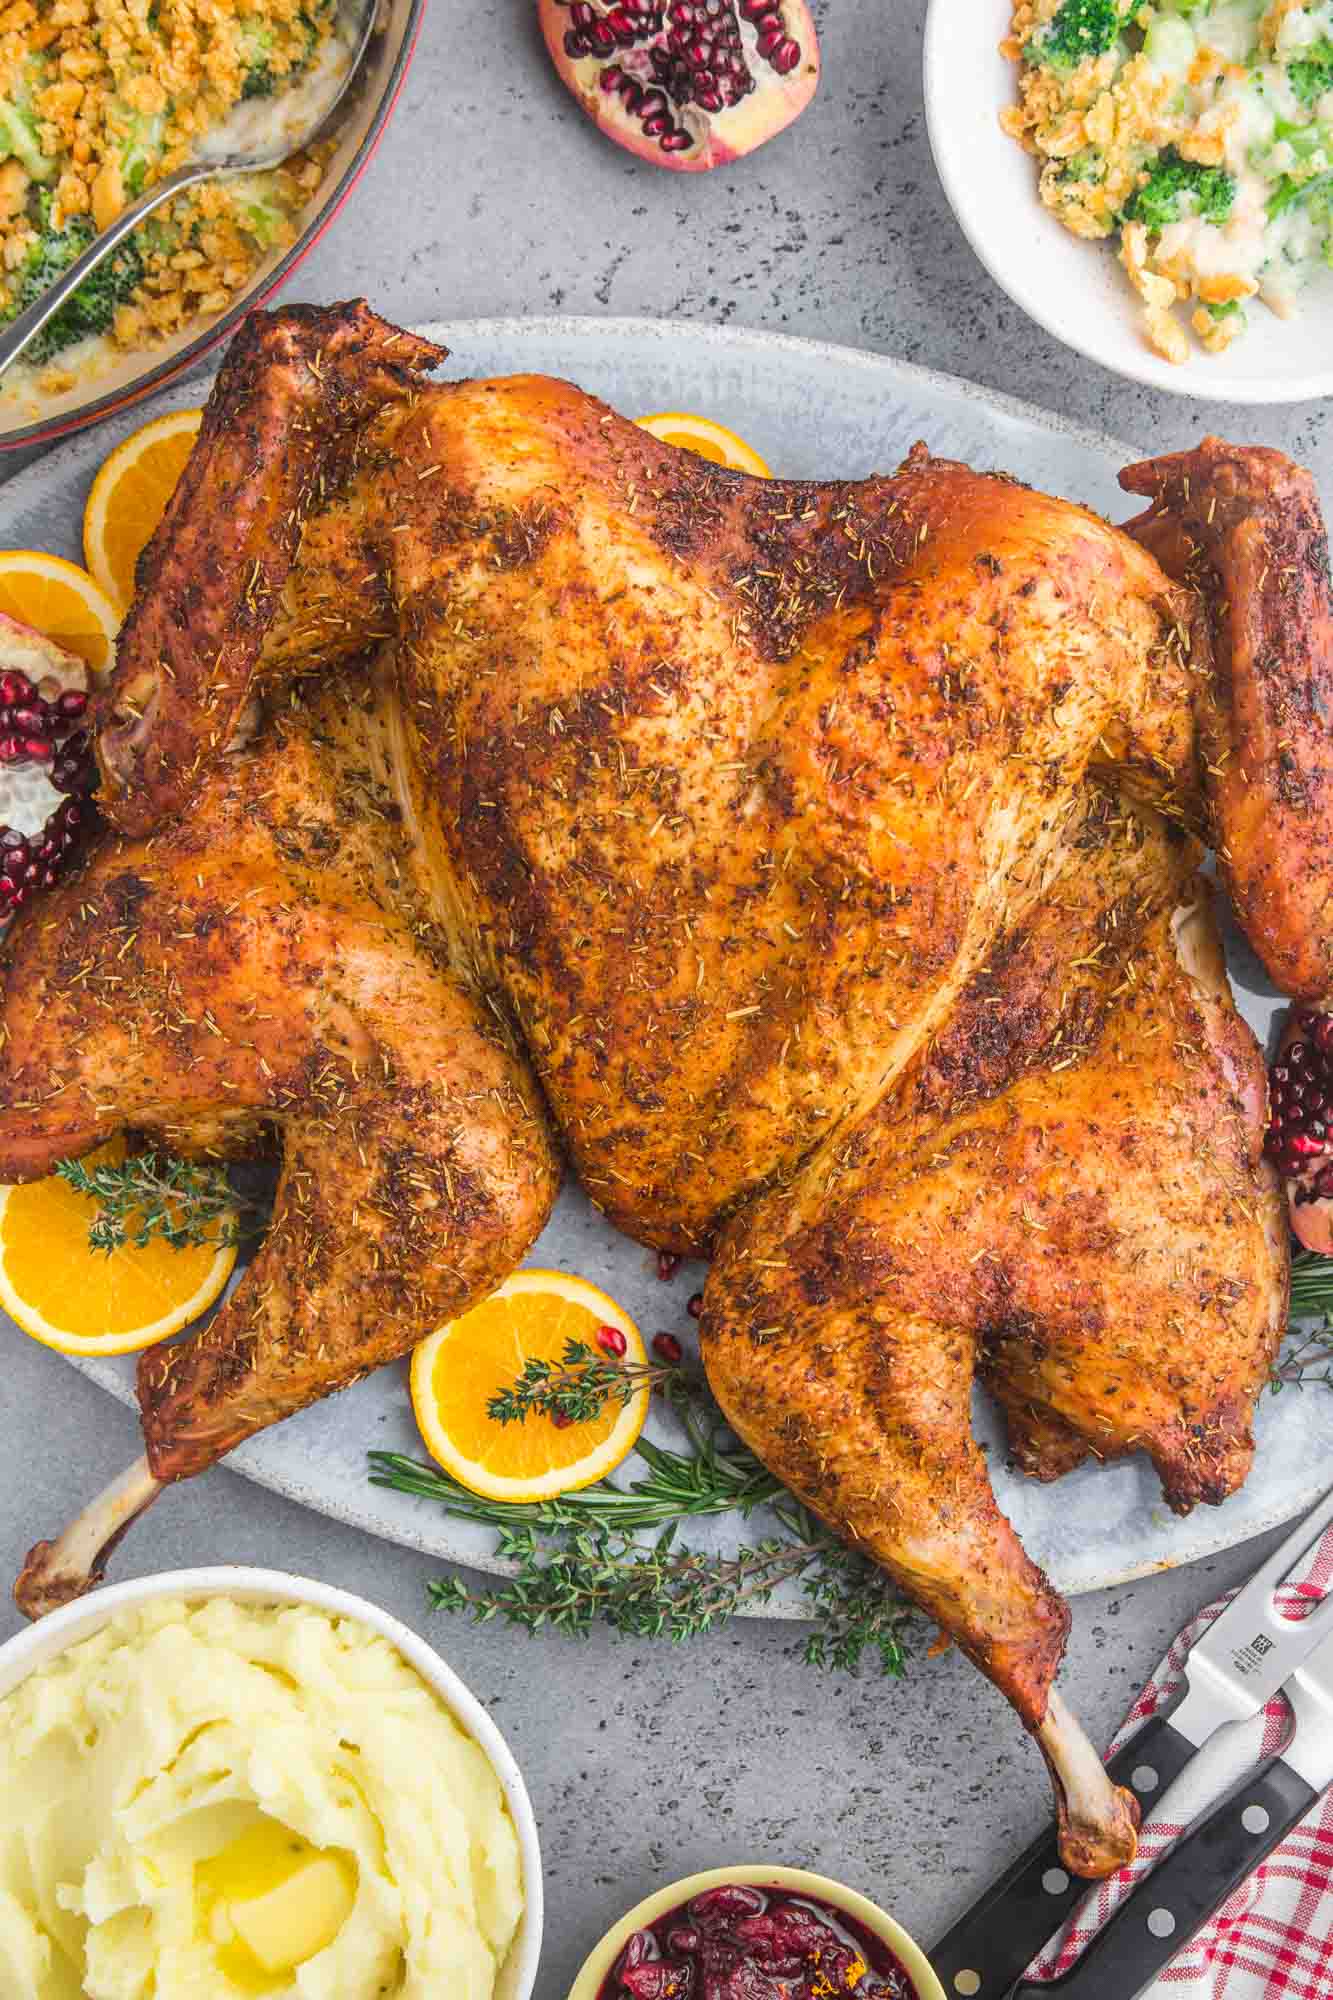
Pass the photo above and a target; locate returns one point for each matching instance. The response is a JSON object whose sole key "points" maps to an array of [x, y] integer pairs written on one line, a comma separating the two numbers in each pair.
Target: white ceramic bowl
{"points": [[1077, 290], [41, 1643], [797, 1882]]}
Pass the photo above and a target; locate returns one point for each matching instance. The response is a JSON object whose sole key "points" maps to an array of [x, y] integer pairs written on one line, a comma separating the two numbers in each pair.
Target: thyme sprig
{"points": [[578, 1387], [151, 1194], [597, 1574]]}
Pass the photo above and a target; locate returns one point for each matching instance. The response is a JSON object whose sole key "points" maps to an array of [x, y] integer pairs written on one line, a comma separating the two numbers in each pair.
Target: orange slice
{"points": [[459, 1368], [129, 497], [85, 1301], [62, 602], [709, 439]]}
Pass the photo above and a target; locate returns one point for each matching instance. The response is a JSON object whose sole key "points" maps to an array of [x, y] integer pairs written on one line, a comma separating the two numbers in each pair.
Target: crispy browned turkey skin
{"points": [[832, 851]]}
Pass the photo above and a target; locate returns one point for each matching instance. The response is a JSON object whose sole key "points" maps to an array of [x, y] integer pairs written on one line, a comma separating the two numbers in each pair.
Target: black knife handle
{"points": [[998, 1938], [1184, 1890]]}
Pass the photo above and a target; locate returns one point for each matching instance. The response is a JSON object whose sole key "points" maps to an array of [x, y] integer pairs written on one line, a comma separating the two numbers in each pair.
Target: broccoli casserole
{"points": [[1196, 133], [98, 100]]}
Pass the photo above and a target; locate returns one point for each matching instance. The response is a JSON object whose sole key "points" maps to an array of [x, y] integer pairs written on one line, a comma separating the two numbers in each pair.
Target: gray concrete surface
{"points": [[492, 195]]}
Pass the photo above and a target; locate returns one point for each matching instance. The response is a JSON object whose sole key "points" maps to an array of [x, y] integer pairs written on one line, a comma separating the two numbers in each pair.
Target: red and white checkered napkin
{"points": [[1272, 1940]]}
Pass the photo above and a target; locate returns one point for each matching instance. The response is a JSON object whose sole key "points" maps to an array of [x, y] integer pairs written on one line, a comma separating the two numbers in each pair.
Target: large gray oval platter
{"points": [[813, 411]]}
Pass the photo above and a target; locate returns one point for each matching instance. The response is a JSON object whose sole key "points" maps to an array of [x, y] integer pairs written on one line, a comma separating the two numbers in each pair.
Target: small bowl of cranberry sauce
{"points": [[757, 1933]]}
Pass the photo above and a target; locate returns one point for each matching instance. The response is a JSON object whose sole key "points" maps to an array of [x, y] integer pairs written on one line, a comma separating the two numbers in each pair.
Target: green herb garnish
{"points": [[578, 1387], [153, 1195], [578, 1564]]}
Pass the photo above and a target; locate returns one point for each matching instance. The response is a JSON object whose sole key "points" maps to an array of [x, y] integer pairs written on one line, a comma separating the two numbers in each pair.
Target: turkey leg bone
{"points": [[54, 1573]]}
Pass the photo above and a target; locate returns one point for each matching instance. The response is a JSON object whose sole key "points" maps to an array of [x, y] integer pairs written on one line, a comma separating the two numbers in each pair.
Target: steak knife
{"points": [[1197, 1874], [1234, 1667]]}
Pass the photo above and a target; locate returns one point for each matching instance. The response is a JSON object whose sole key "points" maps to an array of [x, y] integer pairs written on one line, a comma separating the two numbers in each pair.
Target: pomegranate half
{"points": [[687, 84], [1299, 1139]]}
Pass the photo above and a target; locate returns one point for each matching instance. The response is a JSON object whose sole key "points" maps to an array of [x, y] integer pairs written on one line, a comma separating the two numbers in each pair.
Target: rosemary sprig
{"points": [[1311, 1284], [1308, 1354], [580, 1385], [712, 1477], [153, 1195]]}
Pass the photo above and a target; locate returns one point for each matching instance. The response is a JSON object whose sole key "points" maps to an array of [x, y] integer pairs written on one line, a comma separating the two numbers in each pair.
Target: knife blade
{"points": [[1234, 1667], [1211, 1860]]}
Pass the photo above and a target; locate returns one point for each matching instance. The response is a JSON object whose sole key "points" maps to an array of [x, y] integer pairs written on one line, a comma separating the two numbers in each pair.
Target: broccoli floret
{"points": [[1288, 193], [1304, 140], [1311, 75], [93, 306], [20, 124], [1089, 165], [141, 149], [1080, 28], [1176, 188], [254, 45], [263, 220]]}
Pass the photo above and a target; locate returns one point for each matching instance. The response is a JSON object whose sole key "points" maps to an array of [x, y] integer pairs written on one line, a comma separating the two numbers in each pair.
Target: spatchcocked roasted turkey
{"points": [[816, 864]]}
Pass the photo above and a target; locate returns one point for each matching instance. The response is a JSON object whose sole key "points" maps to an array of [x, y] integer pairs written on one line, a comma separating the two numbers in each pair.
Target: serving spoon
{"points": [[224, 153]]}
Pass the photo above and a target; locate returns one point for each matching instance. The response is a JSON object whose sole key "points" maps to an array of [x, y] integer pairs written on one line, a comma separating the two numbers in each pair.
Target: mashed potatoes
{"points": [[222, 1799]]}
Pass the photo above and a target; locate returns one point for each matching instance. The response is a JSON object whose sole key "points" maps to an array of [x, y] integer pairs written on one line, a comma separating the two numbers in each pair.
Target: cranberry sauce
{"points": [[741, 1943]]}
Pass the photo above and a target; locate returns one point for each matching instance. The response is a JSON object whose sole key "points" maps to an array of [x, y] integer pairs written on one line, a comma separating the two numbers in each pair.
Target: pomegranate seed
{"points": [[73, 703], [560, 1420], [668, 1263], [15, 687], [786, 56], [695, 1304], [668, 1349], [10, 750], [636, 1952], [612, 1341], [1304, 1145], [39, 749]]}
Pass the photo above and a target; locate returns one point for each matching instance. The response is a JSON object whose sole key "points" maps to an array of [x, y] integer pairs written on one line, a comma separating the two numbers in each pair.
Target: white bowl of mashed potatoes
{"points": [[221, 1783], [1208, 86]]}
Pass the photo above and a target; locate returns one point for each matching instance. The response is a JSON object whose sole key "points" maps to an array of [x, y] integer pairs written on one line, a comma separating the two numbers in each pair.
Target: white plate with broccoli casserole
{"points": [[97, 103], [1153, 183]]}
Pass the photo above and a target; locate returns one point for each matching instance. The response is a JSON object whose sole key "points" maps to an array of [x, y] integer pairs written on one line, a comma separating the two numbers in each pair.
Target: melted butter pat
{"points": [[269, 1901]]}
